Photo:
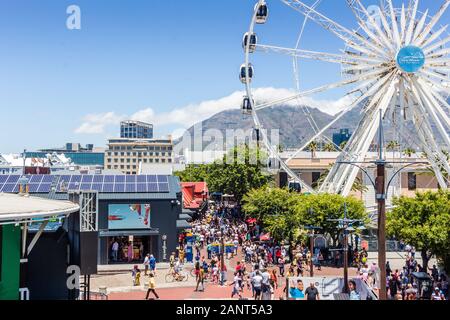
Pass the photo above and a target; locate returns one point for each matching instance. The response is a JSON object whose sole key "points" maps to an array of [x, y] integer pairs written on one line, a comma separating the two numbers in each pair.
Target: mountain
{"points": [[292, 123], [294, 127]]}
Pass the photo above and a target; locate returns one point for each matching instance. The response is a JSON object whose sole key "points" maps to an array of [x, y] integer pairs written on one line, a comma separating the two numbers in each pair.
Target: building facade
{"points": [[127, 155], [141, 211], [136, 130]]}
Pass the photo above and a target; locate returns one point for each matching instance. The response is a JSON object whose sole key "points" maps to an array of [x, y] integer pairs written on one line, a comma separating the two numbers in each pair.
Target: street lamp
{"points": [[381, 190], [347, 225], [311, 242]]}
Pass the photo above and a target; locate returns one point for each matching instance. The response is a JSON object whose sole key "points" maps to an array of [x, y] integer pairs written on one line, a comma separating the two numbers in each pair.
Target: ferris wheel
{"points": [[396, 64]]}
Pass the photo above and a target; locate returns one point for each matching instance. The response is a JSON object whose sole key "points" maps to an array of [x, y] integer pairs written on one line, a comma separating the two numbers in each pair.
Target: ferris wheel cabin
{"points": [[262, 12], [243, 73], [246, 106], [250, 41]]}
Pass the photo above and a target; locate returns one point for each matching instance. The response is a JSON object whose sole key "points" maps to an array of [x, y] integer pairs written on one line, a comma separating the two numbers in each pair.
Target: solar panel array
{"points": [[100, 183]]}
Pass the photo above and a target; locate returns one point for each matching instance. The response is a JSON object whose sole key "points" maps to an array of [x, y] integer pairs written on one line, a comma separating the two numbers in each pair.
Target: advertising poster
{"points": [[128, 216]]}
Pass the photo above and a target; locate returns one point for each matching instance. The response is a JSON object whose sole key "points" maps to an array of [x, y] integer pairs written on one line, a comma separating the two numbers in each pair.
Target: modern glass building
{"points": [[342, 136], [136, 130]]}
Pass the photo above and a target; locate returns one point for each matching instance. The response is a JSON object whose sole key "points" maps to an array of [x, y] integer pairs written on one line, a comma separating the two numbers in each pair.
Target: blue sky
{"points": [[155, 59]]}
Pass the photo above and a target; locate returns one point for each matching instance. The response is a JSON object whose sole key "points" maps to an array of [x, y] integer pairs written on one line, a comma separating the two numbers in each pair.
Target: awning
{"points": [[183, 224], [126, 233], [20, 209]]}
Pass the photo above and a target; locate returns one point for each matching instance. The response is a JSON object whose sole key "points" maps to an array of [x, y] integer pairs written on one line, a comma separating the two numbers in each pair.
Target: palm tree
{"points": [[392, 145], [329, 147], [342, 145], [313, 146], [409, 152]]}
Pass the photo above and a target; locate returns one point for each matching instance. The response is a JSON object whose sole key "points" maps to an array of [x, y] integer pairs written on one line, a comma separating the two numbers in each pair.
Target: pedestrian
{"points": [[130, 252], [236, 286], [200, 280], [136, 275], [152, 263], [281, 265], [437, 294], [151, 286], [354, 295], [296, 292], [115, 250], [146, 264], [312, 293], [257, 283], [319, 261]]}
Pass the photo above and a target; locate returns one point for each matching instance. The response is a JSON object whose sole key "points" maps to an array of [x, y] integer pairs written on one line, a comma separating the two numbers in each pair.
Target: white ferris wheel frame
{"points": [[383, 86]]}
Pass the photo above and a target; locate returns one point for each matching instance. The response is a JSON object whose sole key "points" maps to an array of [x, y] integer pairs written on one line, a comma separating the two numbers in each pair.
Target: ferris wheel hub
{"points": [[411, 59]]}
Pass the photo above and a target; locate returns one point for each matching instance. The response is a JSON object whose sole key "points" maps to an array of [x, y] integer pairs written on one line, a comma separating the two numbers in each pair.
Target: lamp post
{"points": [[381, 188], [311, 229], [347, 225]]}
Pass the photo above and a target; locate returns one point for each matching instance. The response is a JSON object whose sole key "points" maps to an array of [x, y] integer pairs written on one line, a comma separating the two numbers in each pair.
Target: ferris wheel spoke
{"points": [[432, 74], [434, 36], [420, 25], [341, 32], [373, 24], [394, 24], [428, 106], [369, 75], [435, 46], [414, 4], [432, 23], [354, 104], [432, 103], [321, 56]]}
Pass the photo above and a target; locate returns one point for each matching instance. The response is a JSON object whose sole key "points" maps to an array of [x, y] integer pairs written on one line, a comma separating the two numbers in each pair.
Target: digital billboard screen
{"points": [[128, 216]]}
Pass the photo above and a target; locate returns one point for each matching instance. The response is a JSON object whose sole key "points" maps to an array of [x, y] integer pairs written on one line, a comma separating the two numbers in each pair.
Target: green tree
{"points": [[329, 147], [313, 147], [237, 173], [317, 209], [285, 214], [392, 146], [423, 222], [274, 208], [409, 152]]}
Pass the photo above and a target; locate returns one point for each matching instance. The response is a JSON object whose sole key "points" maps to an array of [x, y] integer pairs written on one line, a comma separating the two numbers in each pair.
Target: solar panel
{"points": [[87, 179], [13, 179], [162, 179], [36, 179], [47, 178], [130, 179], [130, 187], [33, 187], [3, 178], [108, 187], [97, 187], [74, 186], [141, 187], [141, 179], [152, 187], [109, 179], [44, 188], [119, 188], [75, 179], [163, 187], [10, 187], [120, 179], [86, 186], [151, 178], [98, 179]]}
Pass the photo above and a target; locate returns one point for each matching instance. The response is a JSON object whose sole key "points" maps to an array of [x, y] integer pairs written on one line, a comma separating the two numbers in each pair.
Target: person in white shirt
{"points": [[115, 250], [257, 280], [146, 264]]}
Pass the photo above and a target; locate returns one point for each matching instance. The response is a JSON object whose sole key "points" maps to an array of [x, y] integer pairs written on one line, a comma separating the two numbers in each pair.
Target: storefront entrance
{"points": [[139, 246]]}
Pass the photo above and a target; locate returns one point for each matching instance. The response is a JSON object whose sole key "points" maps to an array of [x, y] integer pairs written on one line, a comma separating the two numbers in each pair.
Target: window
{"points": [[412, 181], [315, 178]]}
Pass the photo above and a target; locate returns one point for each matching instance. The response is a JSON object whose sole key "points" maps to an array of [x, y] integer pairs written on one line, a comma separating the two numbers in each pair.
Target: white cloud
{"points": [[185, 117]]}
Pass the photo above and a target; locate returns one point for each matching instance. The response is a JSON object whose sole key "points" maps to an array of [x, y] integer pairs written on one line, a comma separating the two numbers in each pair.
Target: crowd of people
{"points": [[262, 266]]}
